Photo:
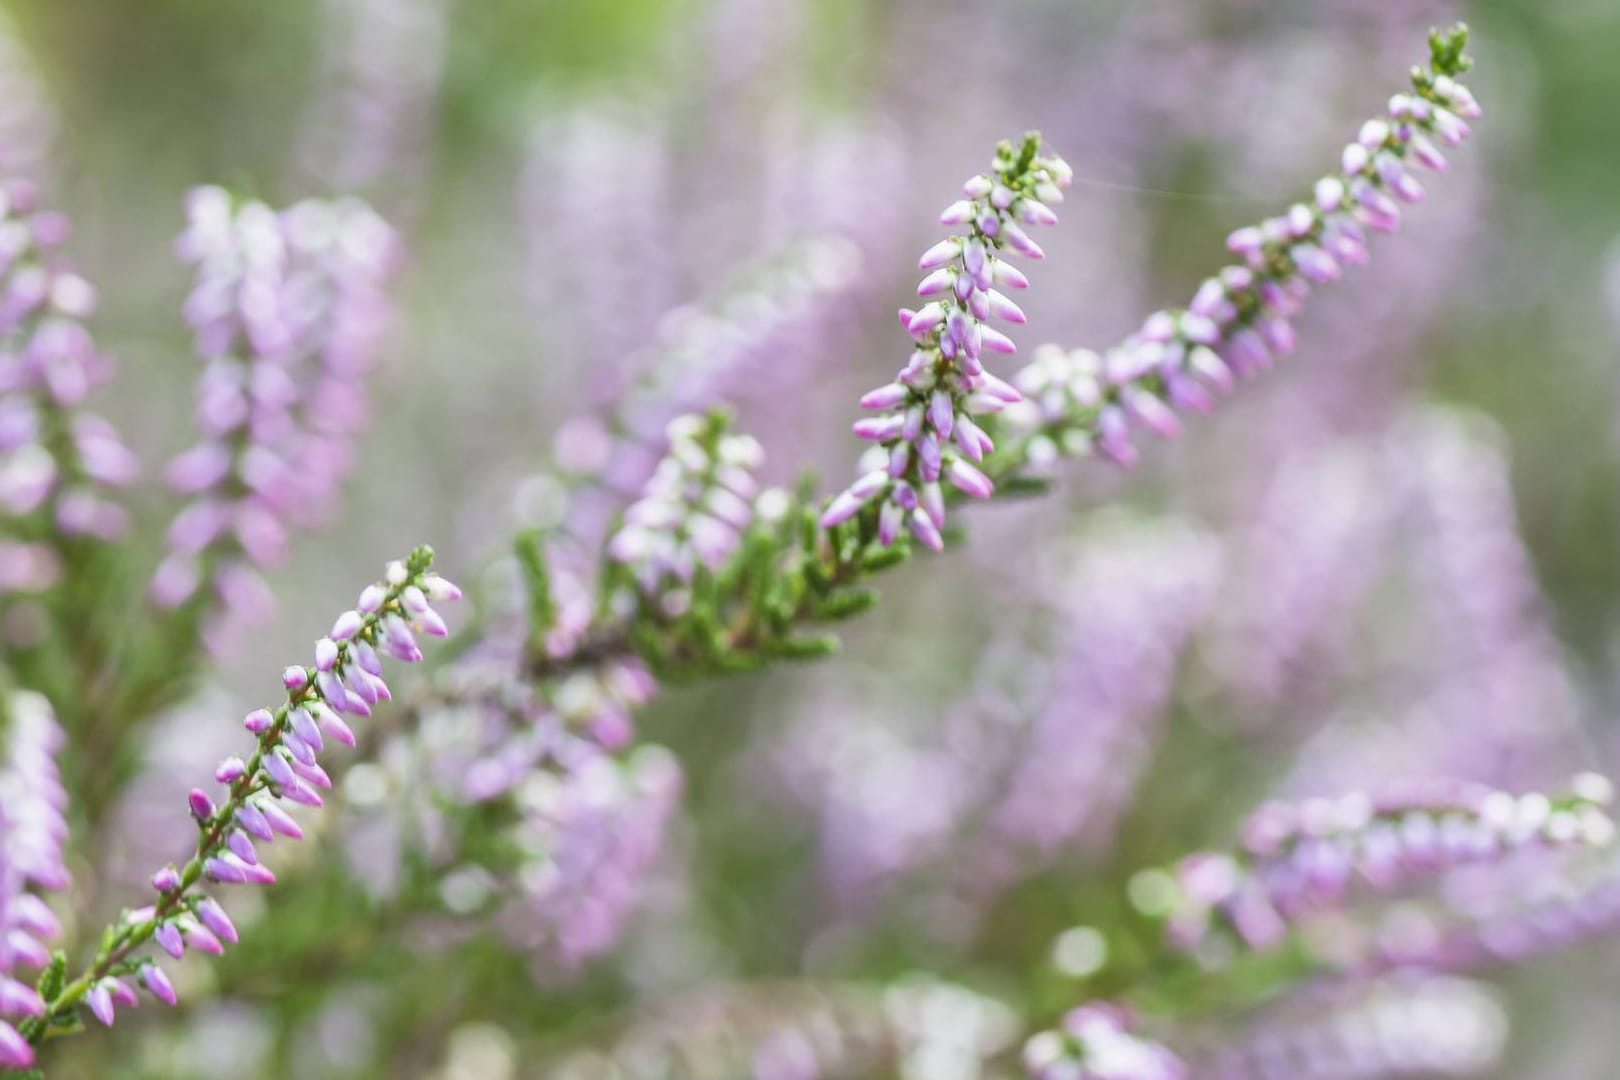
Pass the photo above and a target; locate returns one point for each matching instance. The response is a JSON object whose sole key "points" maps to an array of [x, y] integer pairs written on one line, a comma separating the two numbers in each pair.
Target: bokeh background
{"points": [[1397, 554]]}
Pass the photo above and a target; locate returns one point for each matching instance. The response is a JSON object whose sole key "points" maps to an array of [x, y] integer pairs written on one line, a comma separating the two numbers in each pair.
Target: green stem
{"points": [[122, 939]]}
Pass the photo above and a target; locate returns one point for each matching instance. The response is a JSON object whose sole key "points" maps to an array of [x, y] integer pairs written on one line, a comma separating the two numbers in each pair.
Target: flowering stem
{"points": [[815, 569], [308, 689]]}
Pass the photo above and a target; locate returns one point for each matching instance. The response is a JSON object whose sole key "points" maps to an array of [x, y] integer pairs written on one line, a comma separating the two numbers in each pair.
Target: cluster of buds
{"points": [[925, 429], [692, 512], [490, 726], [287, 310], [1297, 860], [56, 460], [345, 681], [1095, 1042], [500, 727], [1239, 319], [756, 336], [581, 827], [32, 829]]}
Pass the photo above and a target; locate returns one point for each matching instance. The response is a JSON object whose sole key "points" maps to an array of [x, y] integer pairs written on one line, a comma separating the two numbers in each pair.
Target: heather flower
{"points": [[287, 310], [57, 460], [1039, 759], [1416, 1025], [284, 770], [580, 828], [1561, 911], [754, 340], [588, 837], [596, 185], [924, 425], [369, 122], [692, 512], [1490, 695], [1136, 597], [1240, 319], [1302, 565], [32, 830], [1297, 860], [1095, 1042]]}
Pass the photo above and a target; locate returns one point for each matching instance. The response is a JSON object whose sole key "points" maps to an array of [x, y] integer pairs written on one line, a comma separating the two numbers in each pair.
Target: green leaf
{"points": [[806, 647], [845, 603], [1446, 54], [881, 558], [54, 977], [530, 548], [1022, 486]]}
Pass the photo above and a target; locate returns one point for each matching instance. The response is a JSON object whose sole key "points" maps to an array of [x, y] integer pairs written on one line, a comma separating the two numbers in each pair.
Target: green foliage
{"points": [[1446, 54]]}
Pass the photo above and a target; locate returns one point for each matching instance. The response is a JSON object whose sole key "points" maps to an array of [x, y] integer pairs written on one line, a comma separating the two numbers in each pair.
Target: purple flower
{"points": [[369, 121], [287, 309], [1301, 859], [927, 428], [282, 768], [1238, 322], [1137, 596], [32, 828], [693, 511], [596, 840], [58, 461], [1384, 1027]]}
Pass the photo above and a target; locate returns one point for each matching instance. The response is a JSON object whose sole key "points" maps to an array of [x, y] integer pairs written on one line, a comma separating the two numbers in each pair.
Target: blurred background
{"points": [[1398, 554]]}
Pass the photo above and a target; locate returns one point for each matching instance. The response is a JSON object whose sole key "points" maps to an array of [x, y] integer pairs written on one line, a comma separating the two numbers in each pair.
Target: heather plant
{"points": [[513, 865]]}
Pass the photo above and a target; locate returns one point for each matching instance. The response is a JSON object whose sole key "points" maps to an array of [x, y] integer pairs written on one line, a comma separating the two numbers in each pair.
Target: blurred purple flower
{"points": [[1299, 860], [1474, 681], [1239, 320], [57, 460], [1135, 598], [33, 829], [369, 124], [1407, 1026], [288, 310]]}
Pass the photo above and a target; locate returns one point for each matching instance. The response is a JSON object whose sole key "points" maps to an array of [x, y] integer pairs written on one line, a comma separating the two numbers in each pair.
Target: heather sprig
{"points": [[32, 831], [794, 562], [283, 768], [1297, 860], [756, 336], [708, 574], [925, 429], [813, 566], [1078, 402], [692, 512], [1581, 909], [1411, 1024], [57, 460], [1236, 917], [287, 309]]}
